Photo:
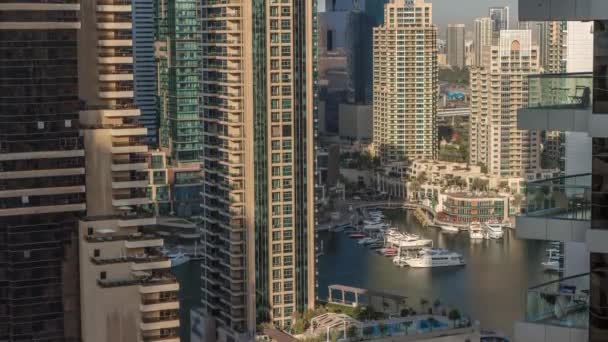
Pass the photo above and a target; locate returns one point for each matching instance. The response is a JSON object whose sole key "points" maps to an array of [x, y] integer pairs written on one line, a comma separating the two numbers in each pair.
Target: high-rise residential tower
{"points": [[178, 59], [128, 292], [500, 16], [554, 50], [482, 39], [42, 175], [498, 89], [258, 155], [144, 71], [405, 82], [455, 45]]}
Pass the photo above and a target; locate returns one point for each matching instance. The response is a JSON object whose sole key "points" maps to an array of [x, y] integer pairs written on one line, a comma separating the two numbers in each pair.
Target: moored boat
{"points": [[494, 229], [448, 228], [436, 258], [475, 231]]}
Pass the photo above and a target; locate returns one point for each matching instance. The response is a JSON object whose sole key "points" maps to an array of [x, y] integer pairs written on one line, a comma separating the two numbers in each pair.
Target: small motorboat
{"points": [[357, 235]]}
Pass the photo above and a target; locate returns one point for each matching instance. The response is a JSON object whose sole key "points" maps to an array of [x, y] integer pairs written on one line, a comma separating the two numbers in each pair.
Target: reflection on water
{"points": [[491, 288]]}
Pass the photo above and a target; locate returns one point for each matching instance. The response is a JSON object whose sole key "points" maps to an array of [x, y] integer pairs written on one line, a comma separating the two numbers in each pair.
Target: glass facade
{"points": [[180, 74], [39, 105]]}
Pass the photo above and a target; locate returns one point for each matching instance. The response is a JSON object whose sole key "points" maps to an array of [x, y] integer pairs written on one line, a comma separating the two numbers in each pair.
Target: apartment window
{"points": [[102, 275], [276, 274], [288, 273], [276, 261], [288, 260], [96, 253], [287, 234]]}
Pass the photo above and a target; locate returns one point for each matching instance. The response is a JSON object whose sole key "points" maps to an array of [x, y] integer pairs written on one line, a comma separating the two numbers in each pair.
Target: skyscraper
{"points": [[500, 16], [455, 41], [498, 88], [405, 82], [144, 71], [180, 84], [554, 39], [482, 38], [125, 280], [42, 175], [258, 154]]}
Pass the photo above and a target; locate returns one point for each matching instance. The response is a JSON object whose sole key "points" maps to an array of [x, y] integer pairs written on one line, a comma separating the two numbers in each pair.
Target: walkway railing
{"points": [[566, 198], [563, 302]]}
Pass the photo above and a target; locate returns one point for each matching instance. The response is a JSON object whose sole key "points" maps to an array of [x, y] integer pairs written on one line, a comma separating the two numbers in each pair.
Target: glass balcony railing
{"points": [[563, 302], [560, 91], [567, 198]]}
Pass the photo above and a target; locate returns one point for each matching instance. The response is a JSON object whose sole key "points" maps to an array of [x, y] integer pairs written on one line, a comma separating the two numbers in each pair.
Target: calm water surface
{"points": [[491, 288]]}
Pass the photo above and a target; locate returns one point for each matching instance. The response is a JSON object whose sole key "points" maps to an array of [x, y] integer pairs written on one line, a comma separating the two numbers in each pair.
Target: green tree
{"points": [[423, 303], [479, 184], [454, 316], [484, 168]]}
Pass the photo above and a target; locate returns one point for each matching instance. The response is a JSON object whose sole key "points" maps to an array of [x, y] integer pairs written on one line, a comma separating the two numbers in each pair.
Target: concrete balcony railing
{"points": [[556, 209]]}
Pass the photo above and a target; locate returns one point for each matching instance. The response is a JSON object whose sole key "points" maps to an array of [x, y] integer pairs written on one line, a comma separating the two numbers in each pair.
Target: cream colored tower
{"points": [[498, 89], [405, 82], [258, 97], [128, 292]]}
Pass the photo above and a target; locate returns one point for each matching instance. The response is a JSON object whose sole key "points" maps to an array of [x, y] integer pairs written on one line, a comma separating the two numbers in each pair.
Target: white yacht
{"points": [[475, 231], [494, 229], [400, 261], [436, 258], [448, 228]]}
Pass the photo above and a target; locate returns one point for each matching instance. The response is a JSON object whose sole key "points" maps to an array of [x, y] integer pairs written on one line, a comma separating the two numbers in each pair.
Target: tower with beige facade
{"points": [[498, 89], [258, 105], [129, 292], [405, 82]]}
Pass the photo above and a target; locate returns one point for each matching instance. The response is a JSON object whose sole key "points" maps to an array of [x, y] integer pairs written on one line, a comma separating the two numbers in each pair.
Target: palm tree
{"points": [[432, 322], [454, 315], [436, 304], [423, 303]]}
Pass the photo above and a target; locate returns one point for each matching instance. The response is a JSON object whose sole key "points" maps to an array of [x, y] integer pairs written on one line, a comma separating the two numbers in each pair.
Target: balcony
{"points": [[113, 6], [556, 209], [557, 308], [156, 323], [560, 102], [159, 306]]}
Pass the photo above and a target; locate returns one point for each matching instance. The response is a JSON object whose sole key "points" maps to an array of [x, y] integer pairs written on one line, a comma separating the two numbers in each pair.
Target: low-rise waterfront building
{"points": [[466, 207]]}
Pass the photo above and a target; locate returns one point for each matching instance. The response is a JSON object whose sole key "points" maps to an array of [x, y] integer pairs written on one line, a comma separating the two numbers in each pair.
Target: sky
{"points": [[453, 11], [465, 11]]}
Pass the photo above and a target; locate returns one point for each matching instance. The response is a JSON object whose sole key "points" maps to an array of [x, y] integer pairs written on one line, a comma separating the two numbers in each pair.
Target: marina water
{"points": [[491, 288]]}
